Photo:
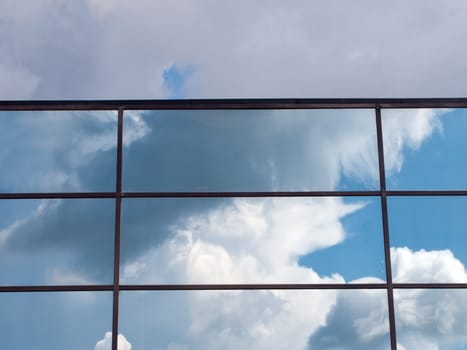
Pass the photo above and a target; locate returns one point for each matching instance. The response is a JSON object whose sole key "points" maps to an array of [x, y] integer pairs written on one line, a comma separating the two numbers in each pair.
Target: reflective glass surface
{"points": [[431, 319], [55, 321], [56, 241], [251, 240], [249, 150], [57, 151], [212, 243], [425, 149], [270, 319], [428, 239]]}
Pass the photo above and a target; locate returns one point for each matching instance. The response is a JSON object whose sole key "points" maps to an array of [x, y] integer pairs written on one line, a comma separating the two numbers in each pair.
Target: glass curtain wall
{"points": [[267, 224]]}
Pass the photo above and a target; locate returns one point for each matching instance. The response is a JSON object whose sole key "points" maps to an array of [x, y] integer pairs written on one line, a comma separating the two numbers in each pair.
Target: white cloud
{"points": [[248, 240], [134, 128], [434, 318], [257, 320], [106, 342], [432, 266], [407, 129], [425, 318]]}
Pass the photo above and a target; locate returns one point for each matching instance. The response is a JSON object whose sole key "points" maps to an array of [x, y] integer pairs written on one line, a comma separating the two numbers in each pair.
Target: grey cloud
{"points": [[21, 82], [95, 49], [359, 320], [251, 151], [72, 236]]}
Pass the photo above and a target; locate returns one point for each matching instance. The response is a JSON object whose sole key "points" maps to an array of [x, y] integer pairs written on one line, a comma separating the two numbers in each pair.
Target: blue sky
{"points": [[95, 49], [441, 165], [174, 80]]}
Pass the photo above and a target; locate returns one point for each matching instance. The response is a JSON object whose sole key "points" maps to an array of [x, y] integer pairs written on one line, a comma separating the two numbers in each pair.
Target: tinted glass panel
{"points": [[55, 321], [431, 319], [249, 150], [67, 241], [428, 239], [57, 151], [255, 320], [425, 148], [250, 240]]}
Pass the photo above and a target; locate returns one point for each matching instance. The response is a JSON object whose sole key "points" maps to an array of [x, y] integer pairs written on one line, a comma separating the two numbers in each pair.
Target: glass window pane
{"points": [[66, 151], [67, 241], [431, 319], [251, 240], [425, 148], [55, 321], [428, 239], [255, 319], [249, 150]]}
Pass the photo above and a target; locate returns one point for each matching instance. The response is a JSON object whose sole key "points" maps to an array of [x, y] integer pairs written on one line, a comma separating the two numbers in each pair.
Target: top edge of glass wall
{"points": [[234, 103]]}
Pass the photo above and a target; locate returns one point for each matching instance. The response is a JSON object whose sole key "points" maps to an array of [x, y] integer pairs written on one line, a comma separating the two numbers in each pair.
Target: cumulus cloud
{"points": [[426, 266], [425, 318], [358, 320], [432, 318], [224, 319], [245, 241], [106, 342]]}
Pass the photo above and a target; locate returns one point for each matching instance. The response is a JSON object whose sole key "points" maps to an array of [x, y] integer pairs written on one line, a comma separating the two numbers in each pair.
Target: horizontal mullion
{"points": [[57, 195], [272, 286], [57, 288], [250, 194], [396, 193], [429, 285], [426, 193]]}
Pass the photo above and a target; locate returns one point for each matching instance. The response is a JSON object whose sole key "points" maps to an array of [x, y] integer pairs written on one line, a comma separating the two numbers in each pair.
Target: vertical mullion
{"points": [[387, 245], [118, 206]]}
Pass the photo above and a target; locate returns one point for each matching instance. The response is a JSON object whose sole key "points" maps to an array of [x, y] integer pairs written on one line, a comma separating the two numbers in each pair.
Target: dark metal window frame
{"points": [[235, 104]]}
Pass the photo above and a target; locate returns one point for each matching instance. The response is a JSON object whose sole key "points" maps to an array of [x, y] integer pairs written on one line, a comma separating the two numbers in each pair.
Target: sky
{"points": [[88, 49], [56, 49]]}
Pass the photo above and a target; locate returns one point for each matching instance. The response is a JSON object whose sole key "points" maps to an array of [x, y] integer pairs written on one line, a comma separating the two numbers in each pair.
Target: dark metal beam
{"points": [[246, 103]]}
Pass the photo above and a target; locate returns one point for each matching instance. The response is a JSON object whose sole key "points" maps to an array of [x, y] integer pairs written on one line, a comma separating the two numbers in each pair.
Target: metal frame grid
{"points": [[236, 104]]}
